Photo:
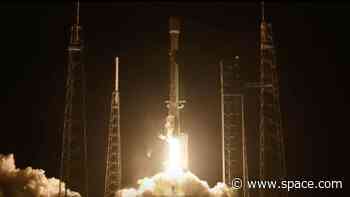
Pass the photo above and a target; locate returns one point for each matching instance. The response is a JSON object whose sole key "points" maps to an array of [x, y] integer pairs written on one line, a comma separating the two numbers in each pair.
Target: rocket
{"points": [[173, 123], [174, 104]]}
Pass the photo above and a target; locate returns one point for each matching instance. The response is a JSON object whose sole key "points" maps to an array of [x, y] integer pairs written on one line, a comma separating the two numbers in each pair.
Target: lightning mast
{"points": [[272, 165], [113, 177], [73, 164]]}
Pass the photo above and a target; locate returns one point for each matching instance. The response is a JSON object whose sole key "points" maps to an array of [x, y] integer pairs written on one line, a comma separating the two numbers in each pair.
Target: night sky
{"points": [[312, 42]]}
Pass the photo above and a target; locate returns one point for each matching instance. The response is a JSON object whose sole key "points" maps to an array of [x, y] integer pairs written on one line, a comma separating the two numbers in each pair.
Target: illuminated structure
{"points": [[73, 164], [174, 104], [113, 177], [234, 153], [272, 165]]}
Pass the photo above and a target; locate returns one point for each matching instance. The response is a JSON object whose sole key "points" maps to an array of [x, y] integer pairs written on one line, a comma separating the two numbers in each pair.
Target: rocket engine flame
{"points": [[174, 166], [175, 180]]}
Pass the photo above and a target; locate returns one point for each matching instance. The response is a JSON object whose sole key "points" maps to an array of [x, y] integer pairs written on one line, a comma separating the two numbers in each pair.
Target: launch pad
{"points": [[176, 172]]}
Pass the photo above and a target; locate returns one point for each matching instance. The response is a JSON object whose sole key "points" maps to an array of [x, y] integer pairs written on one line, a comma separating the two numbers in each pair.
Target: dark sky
{"points": [[312, 42]]}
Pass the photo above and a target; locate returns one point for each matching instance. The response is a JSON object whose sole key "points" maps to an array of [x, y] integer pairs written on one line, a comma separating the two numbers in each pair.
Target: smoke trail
{"points": [[186, 184], [27, 182]]}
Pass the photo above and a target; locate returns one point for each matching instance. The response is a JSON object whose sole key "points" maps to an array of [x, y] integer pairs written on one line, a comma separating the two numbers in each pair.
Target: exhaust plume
{"points": [[165, 185], [27, 182]]}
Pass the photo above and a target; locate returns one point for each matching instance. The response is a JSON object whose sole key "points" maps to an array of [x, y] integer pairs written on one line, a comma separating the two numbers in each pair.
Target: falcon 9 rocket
{"points": [[173, 128]]}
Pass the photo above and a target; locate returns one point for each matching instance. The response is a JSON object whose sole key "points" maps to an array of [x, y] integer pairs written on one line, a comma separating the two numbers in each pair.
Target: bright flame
{"points": [[174, 166], [176, 179]]}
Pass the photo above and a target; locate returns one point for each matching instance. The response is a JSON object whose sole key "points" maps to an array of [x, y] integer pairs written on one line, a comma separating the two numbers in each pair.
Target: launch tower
{"points": [[73, 164], [113, 177], [234, 153], [272, 165]]}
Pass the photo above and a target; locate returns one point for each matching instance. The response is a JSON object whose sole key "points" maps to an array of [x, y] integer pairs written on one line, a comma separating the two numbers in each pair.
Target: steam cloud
{"points": [[28, 182], [187, 184], [31, 182]]}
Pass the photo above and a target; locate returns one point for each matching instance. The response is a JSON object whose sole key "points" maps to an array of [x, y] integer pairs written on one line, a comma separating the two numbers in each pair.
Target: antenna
{"points": [[76, 27], [263, 11], [78, 9], [116, 73]]}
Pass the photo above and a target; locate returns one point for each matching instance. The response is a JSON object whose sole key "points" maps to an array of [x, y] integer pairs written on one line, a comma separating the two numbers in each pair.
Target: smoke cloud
{"points": [[186, 184], [31, 182], [27, 182]]}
